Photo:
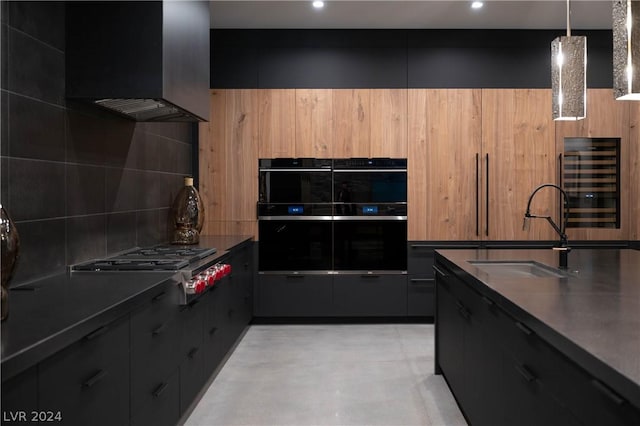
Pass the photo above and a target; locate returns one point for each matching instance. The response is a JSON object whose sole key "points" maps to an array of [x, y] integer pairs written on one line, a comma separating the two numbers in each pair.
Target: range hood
{"points": [[146, 60]]}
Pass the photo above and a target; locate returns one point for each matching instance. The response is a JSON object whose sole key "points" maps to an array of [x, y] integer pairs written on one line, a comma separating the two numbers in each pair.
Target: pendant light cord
{"points": [[568, 19]]}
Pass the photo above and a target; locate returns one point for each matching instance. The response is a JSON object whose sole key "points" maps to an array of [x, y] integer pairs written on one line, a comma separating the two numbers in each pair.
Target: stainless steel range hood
{"points": [[147, 60]]}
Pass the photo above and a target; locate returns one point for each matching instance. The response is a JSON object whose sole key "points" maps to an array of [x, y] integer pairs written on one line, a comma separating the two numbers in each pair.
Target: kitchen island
{"points": [[522, 342]]}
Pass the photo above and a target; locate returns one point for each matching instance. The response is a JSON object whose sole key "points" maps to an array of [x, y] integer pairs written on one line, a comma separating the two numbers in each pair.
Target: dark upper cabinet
{"points": [[146, 60]]}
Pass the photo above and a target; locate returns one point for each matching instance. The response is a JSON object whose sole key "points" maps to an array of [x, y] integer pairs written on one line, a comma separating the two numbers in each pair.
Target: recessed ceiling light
{"points": [[476, 5], [318, 4]]}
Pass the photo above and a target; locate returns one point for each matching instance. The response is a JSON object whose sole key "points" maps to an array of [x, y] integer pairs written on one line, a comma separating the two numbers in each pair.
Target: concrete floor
{"points": [[373, 374]]}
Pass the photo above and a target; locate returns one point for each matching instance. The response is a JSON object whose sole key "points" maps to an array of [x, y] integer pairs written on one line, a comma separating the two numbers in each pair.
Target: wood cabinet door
{"points": [[518, 155], [277, 123], [389, 123], [229, 163], [607, 117], [443, 164], [314, 123], [634, 171], [351, 123]]}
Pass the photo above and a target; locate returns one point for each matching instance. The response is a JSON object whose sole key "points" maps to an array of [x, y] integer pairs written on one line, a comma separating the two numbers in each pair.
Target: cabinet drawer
{"points": [[215, 318], [295, 295], [20, 395], [191, 319], [160, 404], [88, 382], [192, 376], [420, 258], [155, 346], [370, 295], [421, 296]]}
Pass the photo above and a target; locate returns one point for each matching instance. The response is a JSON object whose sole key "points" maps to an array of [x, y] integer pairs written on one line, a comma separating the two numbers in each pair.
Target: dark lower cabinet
{"points": [[191, 319], [295, 295], [161, 405], [88, 382], [421, 299], [502, 373], [20, 398], [370, 295], [145, 368]]}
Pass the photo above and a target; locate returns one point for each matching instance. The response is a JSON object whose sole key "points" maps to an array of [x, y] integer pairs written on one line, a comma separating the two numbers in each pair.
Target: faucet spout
{"points": [[563, 245]]}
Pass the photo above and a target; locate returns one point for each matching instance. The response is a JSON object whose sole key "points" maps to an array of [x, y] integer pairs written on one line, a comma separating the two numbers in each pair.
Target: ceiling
{"points": [[400, 14]]}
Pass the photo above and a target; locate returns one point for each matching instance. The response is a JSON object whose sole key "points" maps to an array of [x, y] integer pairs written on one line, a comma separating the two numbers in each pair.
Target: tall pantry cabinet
{"points": [[475, 155]]}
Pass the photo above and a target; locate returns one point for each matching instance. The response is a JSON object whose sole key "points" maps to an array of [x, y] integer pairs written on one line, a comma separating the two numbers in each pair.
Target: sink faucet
{"points": [[563, 245]]}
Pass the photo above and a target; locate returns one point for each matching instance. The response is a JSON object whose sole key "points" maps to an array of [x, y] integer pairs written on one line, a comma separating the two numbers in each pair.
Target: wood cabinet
{"points": [[608, 118], [351, 123], [634, 171], [277, 123], [443, 164], [314, 123], [518, 155]]}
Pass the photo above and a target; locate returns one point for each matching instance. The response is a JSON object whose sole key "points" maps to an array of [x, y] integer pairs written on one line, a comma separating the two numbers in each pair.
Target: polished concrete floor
{"points": [[373, 374]]}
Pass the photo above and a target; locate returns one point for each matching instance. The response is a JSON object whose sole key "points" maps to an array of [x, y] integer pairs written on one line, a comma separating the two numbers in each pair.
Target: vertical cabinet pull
{"points": [[158, 330], [477, 194], [526, 330], [193, 352], [486, 201], [439, 272], [212, 331], [159, 296], [97, 333]]}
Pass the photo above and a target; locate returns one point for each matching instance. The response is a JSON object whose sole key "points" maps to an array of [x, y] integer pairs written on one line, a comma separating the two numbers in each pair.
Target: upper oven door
{"points": [[370, 187], [295, 180]]}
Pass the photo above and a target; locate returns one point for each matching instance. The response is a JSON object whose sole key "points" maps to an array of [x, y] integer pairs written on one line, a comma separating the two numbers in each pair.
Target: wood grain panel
{"points": [[231, 228], [634, 171], [444, 131], [518, 144], [314, 123], [416, 165], [389, 123], [241, 156], [277, 118], [351, 123], [211, 150], [606, 117]]}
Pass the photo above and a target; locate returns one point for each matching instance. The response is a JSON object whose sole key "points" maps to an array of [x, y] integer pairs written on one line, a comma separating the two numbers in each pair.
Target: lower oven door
{"points": [[295, 245], [370, 245]]}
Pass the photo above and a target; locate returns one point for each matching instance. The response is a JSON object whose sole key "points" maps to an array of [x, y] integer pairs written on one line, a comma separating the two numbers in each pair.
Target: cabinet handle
{"points": [[212, 331], [94, 379], [488, 301], [156, 393], [477, 194], [193, 352], [486, 232], [419, 281], [159, 330], [97, 333], [421, 246], [230, 313], [463, 311], [606, 391], [439, 272], [159, 296], [526, 373], [526, 330]]}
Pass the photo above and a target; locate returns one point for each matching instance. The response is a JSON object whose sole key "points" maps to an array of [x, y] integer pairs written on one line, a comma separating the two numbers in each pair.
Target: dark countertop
{"points": [[50, 314], [592, 314]]}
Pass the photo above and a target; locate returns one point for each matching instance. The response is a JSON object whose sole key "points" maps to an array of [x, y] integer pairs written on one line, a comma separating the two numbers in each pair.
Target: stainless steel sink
{"points": [[516, 268]]}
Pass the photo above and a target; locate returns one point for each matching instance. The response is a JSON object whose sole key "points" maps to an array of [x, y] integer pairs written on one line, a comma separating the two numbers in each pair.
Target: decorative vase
{"points": [[187, 215], [9, 251]]}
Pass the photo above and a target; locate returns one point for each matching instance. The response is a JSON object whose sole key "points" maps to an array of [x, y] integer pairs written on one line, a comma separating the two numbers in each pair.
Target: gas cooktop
{"points": [[156, 258]]}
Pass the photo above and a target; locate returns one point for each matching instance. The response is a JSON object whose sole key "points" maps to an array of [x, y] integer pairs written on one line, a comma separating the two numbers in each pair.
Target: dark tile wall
{"points": [[78, 182]]}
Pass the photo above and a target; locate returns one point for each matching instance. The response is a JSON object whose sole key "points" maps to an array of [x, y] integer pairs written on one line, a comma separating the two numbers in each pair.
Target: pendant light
{"points": [[626, 50], [569, 75]]}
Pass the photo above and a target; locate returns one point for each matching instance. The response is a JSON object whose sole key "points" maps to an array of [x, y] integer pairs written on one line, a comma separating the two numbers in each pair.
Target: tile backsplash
{"points": [[79, 182]]}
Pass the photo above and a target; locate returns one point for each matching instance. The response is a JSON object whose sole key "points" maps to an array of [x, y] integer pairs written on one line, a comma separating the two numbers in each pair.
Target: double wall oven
{"points": [[332, 215]]}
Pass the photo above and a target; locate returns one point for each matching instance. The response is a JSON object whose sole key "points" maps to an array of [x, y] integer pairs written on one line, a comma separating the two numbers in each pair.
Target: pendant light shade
{"points": [[626, 50], [569, 76]]}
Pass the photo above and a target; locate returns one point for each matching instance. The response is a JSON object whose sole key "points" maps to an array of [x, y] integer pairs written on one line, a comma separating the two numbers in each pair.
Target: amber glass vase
{"points": [[187, 215], [10, 250]]}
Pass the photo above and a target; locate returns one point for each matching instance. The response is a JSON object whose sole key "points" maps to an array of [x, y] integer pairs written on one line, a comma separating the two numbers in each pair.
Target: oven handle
{"points": [[359, 218], [295, 170], [295, 217]]}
